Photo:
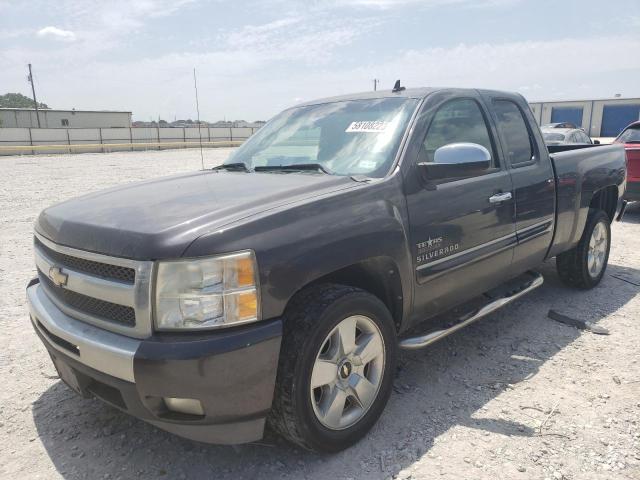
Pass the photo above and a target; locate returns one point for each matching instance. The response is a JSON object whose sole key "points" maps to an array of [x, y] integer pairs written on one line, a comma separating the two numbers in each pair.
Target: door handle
{"points": [[500, 197]]}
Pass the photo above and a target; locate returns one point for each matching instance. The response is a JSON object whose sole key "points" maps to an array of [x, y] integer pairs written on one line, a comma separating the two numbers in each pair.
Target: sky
{"points": [[256, 58]]}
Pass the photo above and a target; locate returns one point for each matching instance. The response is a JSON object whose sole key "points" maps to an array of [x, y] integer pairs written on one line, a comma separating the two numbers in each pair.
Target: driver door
{"points": [[462, 229]]}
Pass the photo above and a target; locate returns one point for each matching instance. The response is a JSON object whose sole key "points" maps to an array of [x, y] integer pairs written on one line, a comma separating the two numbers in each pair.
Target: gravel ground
{"points": [[516, 395]]}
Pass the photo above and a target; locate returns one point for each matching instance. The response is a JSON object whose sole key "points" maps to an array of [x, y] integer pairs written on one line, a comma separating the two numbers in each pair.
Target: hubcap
{"points": [[597, 250], [347, 373]]}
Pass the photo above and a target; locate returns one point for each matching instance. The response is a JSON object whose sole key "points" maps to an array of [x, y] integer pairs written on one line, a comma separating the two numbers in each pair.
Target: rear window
{"points": [[630, 135]]}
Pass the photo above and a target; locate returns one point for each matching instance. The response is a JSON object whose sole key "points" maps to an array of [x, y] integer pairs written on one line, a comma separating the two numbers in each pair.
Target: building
{"points": [[49, 118], [599, 118]]}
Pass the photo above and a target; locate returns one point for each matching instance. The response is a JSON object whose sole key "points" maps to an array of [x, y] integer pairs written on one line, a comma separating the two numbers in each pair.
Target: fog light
{"points": [[190, 406]]}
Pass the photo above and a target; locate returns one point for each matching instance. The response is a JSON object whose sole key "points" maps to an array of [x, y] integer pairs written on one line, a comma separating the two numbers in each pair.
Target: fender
{"points": [[299, 244]]}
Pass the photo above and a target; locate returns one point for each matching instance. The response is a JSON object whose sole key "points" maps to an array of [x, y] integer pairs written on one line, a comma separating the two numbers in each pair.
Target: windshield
{"points": [[553, 137], [356, 137], [630, 135]]}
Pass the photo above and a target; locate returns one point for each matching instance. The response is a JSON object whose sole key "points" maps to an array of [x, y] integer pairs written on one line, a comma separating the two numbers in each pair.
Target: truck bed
{"points": [[580, 170]]}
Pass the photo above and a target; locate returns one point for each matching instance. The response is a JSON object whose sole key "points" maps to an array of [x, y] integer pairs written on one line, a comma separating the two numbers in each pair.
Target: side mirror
{"points": [[596, 142], [457, 160]]}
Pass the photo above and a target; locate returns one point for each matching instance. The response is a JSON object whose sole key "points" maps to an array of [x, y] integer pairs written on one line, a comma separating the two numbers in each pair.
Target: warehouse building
{"points": [[49, 118], [599, 118]]}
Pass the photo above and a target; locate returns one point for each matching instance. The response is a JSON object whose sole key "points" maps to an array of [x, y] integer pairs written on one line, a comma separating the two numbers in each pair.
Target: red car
{"points": [[630, 136]]}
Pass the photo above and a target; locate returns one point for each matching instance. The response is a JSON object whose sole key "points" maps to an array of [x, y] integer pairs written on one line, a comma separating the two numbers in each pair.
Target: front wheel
{"points": [[584, 265], [336, 367]]}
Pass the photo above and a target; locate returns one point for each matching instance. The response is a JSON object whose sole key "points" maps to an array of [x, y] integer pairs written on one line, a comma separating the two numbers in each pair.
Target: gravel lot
{"points": [[516, 395]]}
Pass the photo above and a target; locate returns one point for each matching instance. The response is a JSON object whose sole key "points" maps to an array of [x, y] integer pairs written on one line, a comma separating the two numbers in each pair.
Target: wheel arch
{"points": [[605, 199], [379, 276]]}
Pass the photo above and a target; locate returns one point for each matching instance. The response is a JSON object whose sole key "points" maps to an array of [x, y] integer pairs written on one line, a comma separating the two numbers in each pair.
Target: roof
{"points": [[407, 93], [59, 110], [557, 130], [417, 93]]}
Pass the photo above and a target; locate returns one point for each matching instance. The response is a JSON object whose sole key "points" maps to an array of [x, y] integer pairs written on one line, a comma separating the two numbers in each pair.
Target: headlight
{"points": [[207, 293]]}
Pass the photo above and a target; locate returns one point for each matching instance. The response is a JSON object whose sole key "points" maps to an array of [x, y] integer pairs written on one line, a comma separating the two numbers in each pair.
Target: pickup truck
{"points": [[278, 288]]}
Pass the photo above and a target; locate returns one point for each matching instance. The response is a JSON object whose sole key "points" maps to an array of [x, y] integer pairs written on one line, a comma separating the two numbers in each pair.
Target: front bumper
{"points": [[231, 372]]}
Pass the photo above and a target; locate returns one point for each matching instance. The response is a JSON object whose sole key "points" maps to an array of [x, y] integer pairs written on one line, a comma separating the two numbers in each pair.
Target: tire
{"points": [[310, 325], [574, 266]]}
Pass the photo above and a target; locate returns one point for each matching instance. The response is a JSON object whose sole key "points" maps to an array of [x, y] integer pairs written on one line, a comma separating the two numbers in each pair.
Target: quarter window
{"points": [[514, 132], [457, 121]]}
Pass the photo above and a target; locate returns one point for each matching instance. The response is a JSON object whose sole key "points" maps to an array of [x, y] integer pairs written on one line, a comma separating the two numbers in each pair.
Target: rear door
{"points": [[532, 175], [462, 230]]}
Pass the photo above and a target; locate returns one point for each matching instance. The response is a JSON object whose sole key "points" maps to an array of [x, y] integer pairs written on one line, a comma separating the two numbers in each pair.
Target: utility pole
{"points": [[375, 84], [33, 90]]}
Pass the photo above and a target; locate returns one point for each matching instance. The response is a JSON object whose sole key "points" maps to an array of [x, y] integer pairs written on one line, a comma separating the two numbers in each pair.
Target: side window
{"points": [[457, 121], [514, 132], [64, 122]]}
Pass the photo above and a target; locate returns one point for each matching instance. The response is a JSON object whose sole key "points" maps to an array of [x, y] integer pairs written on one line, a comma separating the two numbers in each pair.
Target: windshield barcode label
{"points": [[368, 126]]}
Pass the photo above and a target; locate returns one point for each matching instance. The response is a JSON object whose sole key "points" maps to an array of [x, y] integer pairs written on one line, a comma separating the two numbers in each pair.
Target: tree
{"points": [[17, 100]]}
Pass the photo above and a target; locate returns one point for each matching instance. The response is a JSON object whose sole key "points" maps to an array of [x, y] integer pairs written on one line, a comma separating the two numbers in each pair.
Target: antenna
{"points": [[397, 87], [195, 86]]}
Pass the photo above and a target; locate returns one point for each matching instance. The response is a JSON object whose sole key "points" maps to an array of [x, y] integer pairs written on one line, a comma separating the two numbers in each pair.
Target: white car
{"points": [[566, 136]]}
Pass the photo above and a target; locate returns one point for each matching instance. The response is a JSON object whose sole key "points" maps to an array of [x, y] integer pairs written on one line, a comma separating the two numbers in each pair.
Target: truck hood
{"points": [[160, 218]]}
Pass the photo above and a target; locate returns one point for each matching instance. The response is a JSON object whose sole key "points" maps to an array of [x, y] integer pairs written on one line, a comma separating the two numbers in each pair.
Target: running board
{"points": [[420, 341]]}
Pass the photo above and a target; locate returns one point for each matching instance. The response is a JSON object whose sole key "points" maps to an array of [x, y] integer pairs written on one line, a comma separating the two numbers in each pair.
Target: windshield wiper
{"points": [[296, 167], [232, 167]]}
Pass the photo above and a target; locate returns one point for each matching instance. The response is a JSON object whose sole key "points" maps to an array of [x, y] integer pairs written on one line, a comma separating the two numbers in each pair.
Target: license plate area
{"points": [[67, 375]]}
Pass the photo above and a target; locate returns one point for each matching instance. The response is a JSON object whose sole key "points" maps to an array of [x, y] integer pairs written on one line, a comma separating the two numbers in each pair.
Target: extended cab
{"points": [[278, 287]]}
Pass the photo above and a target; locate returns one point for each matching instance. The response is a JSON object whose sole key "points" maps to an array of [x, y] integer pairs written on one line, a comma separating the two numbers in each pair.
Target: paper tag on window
{"points": [[367, 127]]}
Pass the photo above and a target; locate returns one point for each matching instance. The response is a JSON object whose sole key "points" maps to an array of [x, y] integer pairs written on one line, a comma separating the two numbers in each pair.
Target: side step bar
{"points": [[414, 343]]}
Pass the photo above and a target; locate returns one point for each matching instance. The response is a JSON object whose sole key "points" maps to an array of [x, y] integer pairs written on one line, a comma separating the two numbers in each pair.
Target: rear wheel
{"points": [[336, 366], [584, 265]]}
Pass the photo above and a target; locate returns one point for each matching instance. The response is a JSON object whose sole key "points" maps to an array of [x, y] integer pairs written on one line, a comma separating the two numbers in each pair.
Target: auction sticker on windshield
{"points": [[368, 127]]}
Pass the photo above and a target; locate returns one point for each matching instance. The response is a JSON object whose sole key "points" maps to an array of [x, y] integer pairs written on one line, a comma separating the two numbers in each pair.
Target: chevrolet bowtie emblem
{"points": [[57, 277]]}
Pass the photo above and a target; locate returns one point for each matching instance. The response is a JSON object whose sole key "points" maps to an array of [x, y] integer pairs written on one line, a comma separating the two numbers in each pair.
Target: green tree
{"points": [[17, 100]]}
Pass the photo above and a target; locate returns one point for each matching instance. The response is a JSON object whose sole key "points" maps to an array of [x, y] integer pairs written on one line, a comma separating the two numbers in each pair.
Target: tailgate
{"points": [[633, 162]]}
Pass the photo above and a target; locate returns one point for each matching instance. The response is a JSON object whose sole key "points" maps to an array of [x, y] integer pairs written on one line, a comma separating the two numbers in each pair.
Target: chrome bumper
{"points": [[99, 349]]}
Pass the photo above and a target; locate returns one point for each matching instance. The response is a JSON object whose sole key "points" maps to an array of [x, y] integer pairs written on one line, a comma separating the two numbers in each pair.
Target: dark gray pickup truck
{"points": [[277, 288]]}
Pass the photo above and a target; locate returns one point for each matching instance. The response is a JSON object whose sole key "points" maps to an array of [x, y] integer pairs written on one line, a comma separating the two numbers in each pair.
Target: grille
{"points": [[111, 312], [104, 270]]}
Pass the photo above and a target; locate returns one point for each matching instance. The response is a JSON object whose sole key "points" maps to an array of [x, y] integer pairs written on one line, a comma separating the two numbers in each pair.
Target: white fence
{"points": [[14, 141]]}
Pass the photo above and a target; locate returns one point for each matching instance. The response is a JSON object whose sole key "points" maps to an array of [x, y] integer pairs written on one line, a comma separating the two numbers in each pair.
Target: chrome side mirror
{"points": [[457, 160]]}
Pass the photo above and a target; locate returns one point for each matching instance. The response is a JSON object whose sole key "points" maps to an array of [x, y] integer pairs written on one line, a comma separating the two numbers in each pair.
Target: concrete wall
{"points": [[54, 119], [114, 139]]}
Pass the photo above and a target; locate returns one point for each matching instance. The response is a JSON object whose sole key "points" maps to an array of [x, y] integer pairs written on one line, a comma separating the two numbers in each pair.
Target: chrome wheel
{"points": [[597, 250], [347, 372]]}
